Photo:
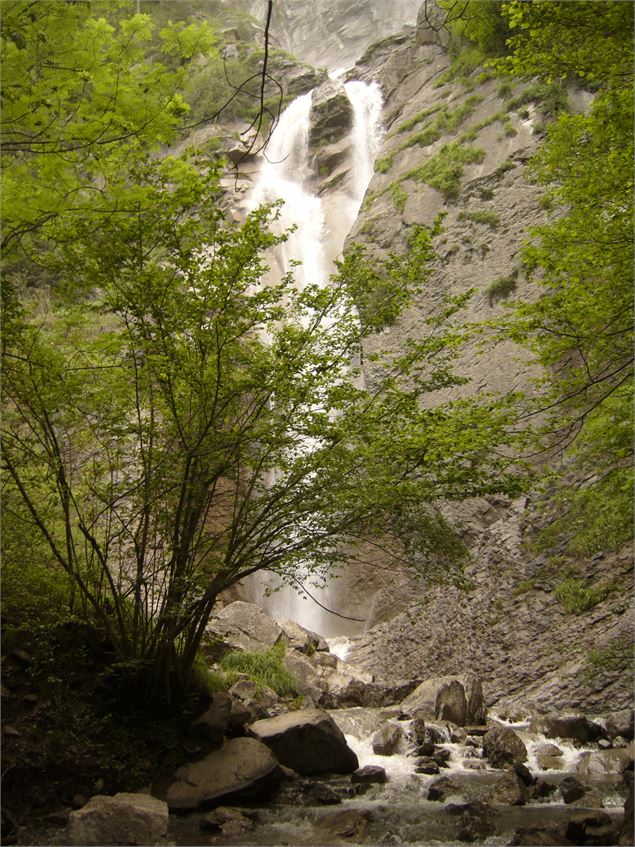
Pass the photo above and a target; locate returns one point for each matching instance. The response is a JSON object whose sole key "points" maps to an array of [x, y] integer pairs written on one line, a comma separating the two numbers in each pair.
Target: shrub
{"points": [[416, 119], [399, 195], [444, 170], [576, 596], [486, 218], [615, 657], [501, 288], [384, 164]]}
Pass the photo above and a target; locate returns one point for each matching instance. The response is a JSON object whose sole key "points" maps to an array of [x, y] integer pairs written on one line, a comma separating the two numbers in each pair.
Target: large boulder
{"points": [[243, 769], [307, 678], [510, 790], [503, 747], [309, 741], [299, 638], [576, 726], [454, 698], [244, 626], [122, 819], [620, 724]]}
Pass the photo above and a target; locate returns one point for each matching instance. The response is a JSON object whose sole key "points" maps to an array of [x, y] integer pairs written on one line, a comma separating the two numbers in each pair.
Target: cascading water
{"points": [[319, 236]]}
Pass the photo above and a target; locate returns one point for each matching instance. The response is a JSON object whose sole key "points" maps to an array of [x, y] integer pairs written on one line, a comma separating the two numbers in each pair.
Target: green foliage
{"points": [[483, 24], [576, 596], [551, 98], [399, 195], [523, 587], [463, 65], [384, 163], [265, 668], [412, 122], [487, 218], [501, 288], [444, 170], [616, 657]]}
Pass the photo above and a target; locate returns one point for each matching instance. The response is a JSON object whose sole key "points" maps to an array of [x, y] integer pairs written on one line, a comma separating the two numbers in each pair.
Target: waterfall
{"points": [[286, 174]]}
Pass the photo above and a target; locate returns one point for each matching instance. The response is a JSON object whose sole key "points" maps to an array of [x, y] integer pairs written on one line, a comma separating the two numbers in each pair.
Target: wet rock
{"points": [[369, 774], [308, 682], [571, 789], [549, 757], [576, 726], [323, 795], [627, 833], [331, 113], [213, 724], [122, 819], [442, 757], [244, 626], [386, 739], [538, 837], [596, 828], [477, 822], [455, 698], [510, 790], [261, 701], [350, 823], [524, 774], [503, 747], [309, 741], [427, 766], [229, 821], [240, 715], [442, 788], [417, 730], [242, 769], [620, 724], [543, 788], [600, 762]]}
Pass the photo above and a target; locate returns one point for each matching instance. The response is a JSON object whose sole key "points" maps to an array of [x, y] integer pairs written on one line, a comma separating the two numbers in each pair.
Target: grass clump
{"points": [[523, 587], [264, 667], [446, 121], [501, 288], [444, 170], [384, 163], [577, 596], [484, 217], [549, 97], [463, 65], [416, 119], [615, 657], [398, 195]]}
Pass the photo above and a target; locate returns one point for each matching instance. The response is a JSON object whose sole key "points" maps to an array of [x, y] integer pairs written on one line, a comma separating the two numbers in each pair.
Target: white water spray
{"points": [[287, 175]]}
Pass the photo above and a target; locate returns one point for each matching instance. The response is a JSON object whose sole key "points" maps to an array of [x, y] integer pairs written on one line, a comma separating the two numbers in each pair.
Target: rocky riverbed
{"points": [[361, 760]]}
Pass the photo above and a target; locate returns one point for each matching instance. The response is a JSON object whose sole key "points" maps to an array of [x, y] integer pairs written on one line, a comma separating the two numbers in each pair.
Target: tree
{"points": [[580, 327], [183, 425]]}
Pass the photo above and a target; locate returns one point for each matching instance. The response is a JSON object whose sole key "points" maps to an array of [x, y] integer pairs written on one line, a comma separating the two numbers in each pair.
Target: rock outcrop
{"points": [[457, 699]]}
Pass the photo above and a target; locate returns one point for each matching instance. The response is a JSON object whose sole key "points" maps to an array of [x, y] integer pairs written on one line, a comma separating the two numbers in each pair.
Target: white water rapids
{"points": [[320, 231]]}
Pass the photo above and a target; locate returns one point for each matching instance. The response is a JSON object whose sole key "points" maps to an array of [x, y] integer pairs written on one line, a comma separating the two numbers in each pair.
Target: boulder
{"points": [[454, 698], [244, 626], [122, 819], [309, 741], [503, 747], [549, 757], [543, 788], [510, 790], [571, 789], [243, 769], [477, 821], [620, 724], [308, 681], [386, 739], [601, 762], [369, 774], [442, 788], [213, 724], [299, 638], [576, 726]]}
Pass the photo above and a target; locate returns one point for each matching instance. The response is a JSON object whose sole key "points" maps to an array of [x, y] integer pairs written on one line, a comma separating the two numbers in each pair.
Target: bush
{"points": [[501, 288], [576, 596], [490, 219], [398, 195], [444, 170], [264, 667]]}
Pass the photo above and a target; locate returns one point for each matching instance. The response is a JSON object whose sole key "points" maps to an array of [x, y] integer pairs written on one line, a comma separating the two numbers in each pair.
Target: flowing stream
{"points": [[320, 231]]}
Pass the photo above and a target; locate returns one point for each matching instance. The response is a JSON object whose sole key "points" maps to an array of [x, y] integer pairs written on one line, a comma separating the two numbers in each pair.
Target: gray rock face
{"points": [[331, 113], [122, 819], [454, 698], [503, 747], [299, 638], [308, 741], [431, 24], [244, 626], [243, 769]]}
